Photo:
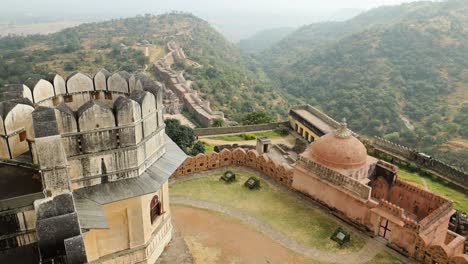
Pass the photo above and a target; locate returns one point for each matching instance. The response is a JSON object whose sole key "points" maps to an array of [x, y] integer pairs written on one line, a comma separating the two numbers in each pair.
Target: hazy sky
{"points": [[138, 6], [235, 18]]}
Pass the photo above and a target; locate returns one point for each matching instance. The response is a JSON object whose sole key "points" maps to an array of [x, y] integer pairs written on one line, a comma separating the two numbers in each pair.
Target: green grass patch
{"points": [[439, 187], [208, 147], [248, 136], [274, 207], [384, 258]]}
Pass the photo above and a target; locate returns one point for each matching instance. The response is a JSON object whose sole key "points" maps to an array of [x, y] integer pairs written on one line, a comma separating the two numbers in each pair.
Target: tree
{"points": [[218, 122], [197, 148], [394, 137], [257, 117], [182, 135]]}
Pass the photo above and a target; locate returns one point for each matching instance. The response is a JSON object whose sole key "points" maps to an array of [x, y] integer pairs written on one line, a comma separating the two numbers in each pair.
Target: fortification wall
{"points": [[397, 151], [237, 157], [116, 163], [360, 190], [110, 126], [198, 107], [237, 129]]}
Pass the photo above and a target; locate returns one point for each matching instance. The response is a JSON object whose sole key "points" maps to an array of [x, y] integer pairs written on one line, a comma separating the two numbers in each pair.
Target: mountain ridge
{"points": [[406, 63]]}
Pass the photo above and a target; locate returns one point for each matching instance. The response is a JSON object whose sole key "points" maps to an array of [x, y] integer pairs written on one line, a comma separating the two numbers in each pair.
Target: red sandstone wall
{"points": [[237, 157], [325, 192], [413, 199]]}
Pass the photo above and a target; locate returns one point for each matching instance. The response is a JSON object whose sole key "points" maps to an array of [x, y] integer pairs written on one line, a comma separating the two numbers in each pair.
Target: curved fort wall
{"points": [[236, 157], [111, 125]]}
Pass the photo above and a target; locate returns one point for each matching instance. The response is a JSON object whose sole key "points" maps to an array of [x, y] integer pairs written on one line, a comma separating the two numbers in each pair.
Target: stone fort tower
{"points": [[96, 153]]}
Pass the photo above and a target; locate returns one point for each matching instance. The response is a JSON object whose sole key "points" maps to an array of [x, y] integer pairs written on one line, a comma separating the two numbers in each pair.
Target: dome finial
{"points": [[343, 131]]}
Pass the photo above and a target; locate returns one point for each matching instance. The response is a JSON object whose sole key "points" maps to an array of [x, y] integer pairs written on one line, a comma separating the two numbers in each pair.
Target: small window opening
{"points": [[22, 136]]}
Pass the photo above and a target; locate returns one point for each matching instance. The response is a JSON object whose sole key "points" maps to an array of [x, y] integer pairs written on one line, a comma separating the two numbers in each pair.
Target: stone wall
{"points": [[324, 117], [193, 103], [398, 151], [237, 157], [358, 189], [110, 126], [237, 129]]}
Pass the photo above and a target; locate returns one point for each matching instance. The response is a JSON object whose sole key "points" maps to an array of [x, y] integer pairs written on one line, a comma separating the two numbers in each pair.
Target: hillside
{"points": [[399, 72], [264, 39], [233, 83]]}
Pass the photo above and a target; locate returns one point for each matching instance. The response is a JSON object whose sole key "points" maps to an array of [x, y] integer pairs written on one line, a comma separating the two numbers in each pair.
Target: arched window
{"points": [[155, 208]]}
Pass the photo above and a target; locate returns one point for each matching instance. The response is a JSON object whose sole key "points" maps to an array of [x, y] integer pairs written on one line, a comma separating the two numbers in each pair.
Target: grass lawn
{"points": [[276, 208], [248, 136], [459, 198], [384, 258]]}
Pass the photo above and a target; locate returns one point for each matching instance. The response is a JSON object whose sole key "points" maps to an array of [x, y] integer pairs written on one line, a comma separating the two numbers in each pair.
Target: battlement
{"points": [[355, 187], [451, 173], [110, 126], [237, 157], [420, 192], [175, 80]]}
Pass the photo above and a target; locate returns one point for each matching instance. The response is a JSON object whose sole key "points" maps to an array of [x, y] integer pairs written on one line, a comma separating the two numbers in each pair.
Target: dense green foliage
{"points": [[218, 122], [184, 137], [264, 39], [234, 83], [383, 67], [257, 117]]}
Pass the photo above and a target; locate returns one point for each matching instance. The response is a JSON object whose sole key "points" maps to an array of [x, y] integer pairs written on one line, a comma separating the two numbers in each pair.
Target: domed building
{"points": [[342, 152], [336, 171]]}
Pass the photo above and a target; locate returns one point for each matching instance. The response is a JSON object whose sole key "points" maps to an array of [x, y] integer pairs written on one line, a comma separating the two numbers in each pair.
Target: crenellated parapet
{"points": [[108, 127], [401, 152], [357, 188], [237, 157], [399, 212], [78, 88]]}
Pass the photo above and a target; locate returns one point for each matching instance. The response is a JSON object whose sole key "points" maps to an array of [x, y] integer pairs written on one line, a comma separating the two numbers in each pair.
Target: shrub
{"points": [[282, 130], [249, 136]]}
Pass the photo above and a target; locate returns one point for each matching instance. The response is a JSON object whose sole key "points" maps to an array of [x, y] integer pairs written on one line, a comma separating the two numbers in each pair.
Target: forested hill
{"points": [[391, 64], [233, 83], [264, 39]]}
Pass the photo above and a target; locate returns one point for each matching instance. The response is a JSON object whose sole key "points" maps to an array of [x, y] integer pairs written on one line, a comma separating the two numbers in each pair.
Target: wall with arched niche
{"points": [[17, 128]]}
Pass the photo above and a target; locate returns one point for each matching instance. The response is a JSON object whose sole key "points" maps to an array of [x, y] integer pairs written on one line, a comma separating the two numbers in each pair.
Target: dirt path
{"points": [[176, 252], [217, 238], [425, 183], [372, 247], [288, 140], [365, 254]]}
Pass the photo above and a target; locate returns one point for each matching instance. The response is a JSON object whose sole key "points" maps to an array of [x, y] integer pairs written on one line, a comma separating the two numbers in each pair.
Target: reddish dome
{"points": [[339, 149]]}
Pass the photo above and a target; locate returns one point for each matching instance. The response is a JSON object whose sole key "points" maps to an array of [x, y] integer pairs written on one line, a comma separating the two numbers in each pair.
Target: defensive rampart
{"points": [[193, 103], [237, 129], [384, 147], [237, 157]]}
